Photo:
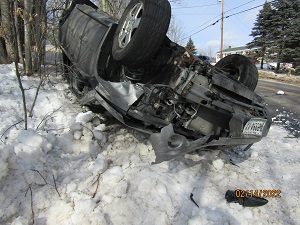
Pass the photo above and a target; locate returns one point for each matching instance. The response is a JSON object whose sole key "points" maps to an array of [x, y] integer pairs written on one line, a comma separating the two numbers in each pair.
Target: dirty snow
{"points": [[76, 167]]}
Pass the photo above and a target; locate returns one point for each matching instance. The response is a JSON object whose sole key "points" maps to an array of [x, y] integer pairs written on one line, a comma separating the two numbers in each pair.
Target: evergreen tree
{"points": [[261, 31], [291, 50], [191, 46], [278, 27], [285, 30]]}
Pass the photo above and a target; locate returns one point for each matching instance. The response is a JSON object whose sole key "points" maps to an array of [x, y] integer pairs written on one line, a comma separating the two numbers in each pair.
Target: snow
{"points": [[86, 168], [218, 164], [280, 92]]}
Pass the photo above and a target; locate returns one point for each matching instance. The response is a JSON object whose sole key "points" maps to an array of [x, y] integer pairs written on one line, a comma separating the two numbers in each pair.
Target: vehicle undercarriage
{"points": [[156, 86]]}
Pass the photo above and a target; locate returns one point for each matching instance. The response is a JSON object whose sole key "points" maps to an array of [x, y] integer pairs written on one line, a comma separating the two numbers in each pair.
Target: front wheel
{"points": [[240, 68], [141, 31]]}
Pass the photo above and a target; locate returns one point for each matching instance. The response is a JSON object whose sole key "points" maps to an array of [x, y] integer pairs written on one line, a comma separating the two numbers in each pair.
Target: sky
{"points": [[193, 15]]}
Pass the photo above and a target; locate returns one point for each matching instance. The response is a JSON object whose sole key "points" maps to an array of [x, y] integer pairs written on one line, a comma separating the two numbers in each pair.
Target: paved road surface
{"points": [[289, 102], [285, 109]]}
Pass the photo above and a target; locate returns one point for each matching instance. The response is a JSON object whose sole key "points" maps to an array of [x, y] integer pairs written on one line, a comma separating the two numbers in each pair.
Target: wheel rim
{"points": [[130, 25]]}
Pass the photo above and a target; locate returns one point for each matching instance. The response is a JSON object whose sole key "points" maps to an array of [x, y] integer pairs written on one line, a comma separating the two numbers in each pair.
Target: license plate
{"points": [[255, 126]]}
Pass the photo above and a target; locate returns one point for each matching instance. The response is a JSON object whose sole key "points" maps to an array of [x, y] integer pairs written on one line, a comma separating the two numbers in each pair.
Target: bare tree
{"points": [[18, 25], [206, 50], [39, 32], [27, 33], [6, 30], [3, 54], [114, 8], [15, 44], [175, 32]]}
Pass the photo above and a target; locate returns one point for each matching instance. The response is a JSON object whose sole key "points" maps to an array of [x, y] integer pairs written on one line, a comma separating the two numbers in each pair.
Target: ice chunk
{"points": [[46, 146], [113, 175], [85, 117], [101, 127], [100, 165], [280, 92], [33, 139], [98, 135], [75, 127], [143, 149], [30, 137], [77, 134], [96, 121], [218, 164]]}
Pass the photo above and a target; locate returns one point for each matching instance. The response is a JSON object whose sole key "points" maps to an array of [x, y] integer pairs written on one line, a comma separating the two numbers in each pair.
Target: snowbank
{"points": [[76, 167]]}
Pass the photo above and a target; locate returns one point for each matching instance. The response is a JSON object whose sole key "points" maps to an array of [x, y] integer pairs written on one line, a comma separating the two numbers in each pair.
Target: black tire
{"points": [[77, 84], [65, 66], [72, 5], [240, 68], [151, 21]]}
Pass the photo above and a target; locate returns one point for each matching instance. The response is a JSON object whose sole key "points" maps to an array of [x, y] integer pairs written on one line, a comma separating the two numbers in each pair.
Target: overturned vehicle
{"points": [[151, 84]]}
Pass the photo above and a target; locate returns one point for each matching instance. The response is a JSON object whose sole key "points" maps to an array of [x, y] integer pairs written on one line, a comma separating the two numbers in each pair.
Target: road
{"points": [[285, 109], [289, 102]]}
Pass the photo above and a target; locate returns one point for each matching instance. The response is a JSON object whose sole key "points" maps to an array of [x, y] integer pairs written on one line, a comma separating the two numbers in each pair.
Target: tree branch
{"points": [[31, 202], [98, 180], [10, 127], [55, 185], [48, 115], [17, 68]]}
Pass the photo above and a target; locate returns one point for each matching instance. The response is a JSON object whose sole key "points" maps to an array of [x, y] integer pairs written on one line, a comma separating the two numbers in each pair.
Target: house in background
{"points": [[243, 50]]}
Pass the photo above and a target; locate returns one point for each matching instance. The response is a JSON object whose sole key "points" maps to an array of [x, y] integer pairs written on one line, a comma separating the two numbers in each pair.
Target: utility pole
{"points": [[222, 31]]}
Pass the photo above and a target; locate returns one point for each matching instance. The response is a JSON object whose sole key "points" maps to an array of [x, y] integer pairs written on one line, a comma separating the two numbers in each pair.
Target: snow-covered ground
{"points": [[76, 167]]}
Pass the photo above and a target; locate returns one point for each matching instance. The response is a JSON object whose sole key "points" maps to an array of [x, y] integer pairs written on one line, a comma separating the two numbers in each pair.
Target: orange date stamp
{"points": [[264, 193]]}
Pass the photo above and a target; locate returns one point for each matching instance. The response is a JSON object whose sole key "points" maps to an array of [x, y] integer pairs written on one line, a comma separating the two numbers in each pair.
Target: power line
{"points": [[201, 30], [240, 6], [221, 18], [199, 6], [238, 19], [205, 23], [202, 14], [245, 10], [220, 15]]}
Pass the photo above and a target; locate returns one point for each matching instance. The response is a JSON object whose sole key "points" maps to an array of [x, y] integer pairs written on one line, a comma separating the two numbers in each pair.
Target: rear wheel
{"points": [[141, 31], [78, 85], [240, 68]]}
